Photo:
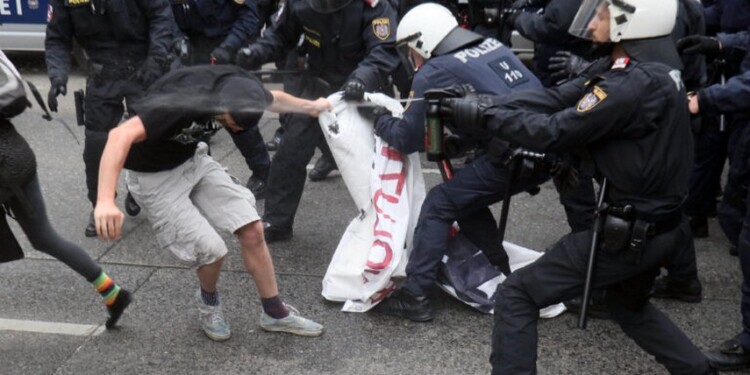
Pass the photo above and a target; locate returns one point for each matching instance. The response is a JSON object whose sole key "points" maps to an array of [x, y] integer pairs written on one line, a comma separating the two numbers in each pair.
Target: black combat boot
{"points": [[406, 305]]}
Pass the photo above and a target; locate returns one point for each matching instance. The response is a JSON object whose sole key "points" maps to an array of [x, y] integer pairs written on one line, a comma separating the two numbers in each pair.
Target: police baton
{"points": [[598, 219]]}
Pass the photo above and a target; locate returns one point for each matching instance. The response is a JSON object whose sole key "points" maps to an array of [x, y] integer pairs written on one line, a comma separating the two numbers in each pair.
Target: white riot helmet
{"points": [[431, 29], [628, 19], [642, 27]]}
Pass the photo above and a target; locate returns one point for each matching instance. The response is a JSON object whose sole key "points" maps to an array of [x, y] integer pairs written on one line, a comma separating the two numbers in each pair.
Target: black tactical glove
{"points": [[151, 69], [565, 64], [222, 55], [695, 44], [564, 173], [56, 88], [354, 90], [250, 57], [466, 115], [372, 111]]}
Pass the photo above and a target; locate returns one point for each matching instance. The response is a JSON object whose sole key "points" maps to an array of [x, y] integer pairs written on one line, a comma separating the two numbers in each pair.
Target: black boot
{"points": [[274, 234], [729, 356], [115, 311], [406, 305], [699, 226], [323, 167]]}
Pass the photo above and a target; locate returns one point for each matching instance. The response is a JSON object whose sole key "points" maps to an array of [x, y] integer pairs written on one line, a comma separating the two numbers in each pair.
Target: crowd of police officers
{"points": [[350, 46]]}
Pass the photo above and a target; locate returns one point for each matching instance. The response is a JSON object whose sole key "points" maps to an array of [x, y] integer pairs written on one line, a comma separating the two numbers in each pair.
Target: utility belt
{"points": [[111, 72], [624, 229]]}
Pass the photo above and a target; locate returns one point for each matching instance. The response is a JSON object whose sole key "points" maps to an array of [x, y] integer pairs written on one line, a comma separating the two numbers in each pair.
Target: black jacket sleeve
{"points": [[381, 57], [58, 43]]}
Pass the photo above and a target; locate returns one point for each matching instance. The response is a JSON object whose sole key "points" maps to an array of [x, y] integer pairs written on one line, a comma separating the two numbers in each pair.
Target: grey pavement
{"points": [[159, 333]]}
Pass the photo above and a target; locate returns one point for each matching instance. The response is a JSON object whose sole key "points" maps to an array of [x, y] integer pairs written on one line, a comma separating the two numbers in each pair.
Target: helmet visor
{"points": [[403, 49], [589, 10]]}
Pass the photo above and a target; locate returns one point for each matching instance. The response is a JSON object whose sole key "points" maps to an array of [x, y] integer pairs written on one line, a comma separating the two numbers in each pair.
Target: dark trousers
{"points": [[465, 199], [710, 155], [734, 217], [559, 276], [43, 236], [288, 170], [104, 110]]}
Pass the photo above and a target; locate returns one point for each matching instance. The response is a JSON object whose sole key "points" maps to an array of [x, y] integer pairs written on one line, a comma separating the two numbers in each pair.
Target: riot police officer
{"points": [[211, 32], [633, 104], [733, 214], [350, 46], [126, 43], [442, 54]]}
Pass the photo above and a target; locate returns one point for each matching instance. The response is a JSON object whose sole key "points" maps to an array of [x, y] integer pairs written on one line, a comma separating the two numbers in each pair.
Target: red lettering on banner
{"points": [[381, 199], [388, 256]]}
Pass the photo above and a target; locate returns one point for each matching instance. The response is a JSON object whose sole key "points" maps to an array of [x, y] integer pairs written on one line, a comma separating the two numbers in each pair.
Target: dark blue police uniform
{"points": [[652, 180], [126, 43], [491, 68], [733, 212]]}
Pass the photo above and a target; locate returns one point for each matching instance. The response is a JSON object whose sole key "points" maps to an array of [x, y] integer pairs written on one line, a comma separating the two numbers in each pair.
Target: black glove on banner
{"points": [[565, 64], [695, 44], [354, 90], [371, 112], [249, 58], [222, 55], [510, 17], [56, 88], [149, 72], [466, 115]]}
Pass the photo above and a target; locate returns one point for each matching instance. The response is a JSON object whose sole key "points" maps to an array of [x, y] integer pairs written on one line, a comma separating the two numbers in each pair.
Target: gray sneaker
{"points": [[212, 321], [293, 323]]}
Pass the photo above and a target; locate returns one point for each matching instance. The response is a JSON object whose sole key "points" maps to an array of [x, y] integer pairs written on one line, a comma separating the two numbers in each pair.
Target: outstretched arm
{"points": [[108, 217], [283, 102]]}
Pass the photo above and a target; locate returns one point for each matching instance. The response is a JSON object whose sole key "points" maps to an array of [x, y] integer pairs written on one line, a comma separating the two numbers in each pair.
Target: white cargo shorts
{"points": [[186, 203]]}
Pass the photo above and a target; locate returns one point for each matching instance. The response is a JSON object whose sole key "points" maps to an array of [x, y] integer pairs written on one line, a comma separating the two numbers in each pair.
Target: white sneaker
{"points": [[212, 321], [293, 323]]}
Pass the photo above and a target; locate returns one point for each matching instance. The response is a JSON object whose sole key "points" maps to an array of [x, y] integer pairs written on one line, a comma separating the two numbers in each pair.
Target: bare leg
{"points": [[208, 274], [257, 259]]}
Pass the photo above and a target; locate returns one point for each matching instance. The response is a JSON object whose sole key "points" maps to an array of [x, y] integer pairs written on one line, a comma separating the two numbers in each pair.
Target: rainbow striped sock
{"points": [[107, 288]]}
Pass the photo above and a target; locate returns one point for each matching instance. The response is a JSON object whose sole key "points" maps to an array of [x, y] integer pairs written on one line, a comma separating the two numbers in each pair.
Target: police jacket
{"points": [[112, 32], [549, 31], [629, 118], [731, 97], [489, 66], [354, 42], [690, 21], [234, 20], [729, 16]]}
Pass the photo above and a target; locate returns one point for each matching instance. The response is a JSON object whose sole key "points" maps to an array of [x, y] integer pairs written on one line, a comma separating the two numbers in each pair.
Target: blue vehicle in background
{"points": [[22, 24]]}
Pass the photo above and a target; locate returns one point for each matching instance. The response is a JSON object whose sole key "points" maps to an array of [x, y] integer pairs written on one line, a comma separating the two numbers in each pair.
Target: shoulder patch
{"points": [[621, 63], [381, 27], [591, 100], [372, 3]]}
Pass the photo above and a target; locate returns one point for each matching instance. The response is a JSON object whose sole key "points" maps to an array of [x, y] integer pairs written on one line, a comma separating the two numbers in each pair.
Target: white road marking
{"points": [[50, 327]]}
